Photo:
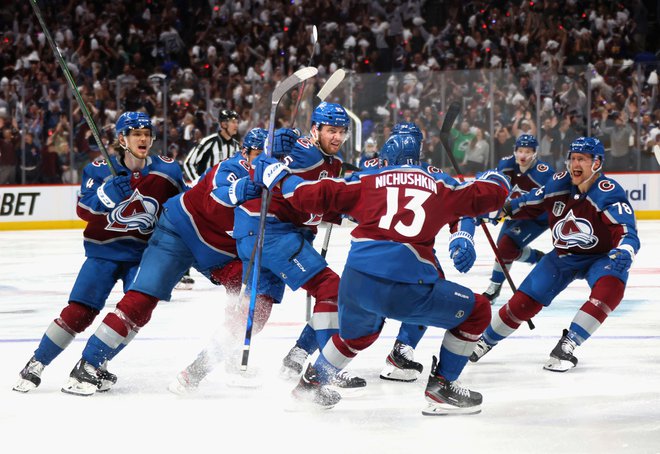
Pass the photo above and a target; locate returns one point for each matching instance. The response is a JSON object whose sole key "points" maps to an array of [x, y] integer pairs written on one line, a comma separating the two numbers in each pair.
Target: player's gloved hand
{"points": [[268, 171], [461, 251], [243, 189], [497, 177], [494, 217], [283, 141], [114, 190], [622, 258]]}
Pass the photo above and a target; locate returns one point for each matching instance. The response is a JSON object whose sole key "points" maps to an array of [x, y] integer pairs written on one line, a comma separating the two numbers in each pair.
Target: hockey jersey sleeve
{"points": [[328, 195], [528, 206], [93, 177], [619, 215]]}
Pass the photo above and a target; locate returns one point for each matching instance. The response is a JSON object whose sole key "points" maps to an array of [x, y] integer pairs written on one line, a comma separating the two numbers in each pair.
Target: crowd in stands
{"points": [[558, 69]]}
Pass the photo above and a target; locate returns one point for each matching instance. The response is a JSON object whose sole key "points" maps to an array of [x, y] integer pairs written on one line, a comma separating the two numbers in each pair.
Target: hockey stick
{"points": [[284, 87], [294, 113], [450, 117], [73, 87]]}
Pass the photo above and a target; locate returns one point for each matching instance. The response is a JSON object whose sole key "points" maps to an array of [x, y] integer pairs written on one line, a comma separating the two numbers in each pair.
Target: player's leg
{"points": [[95, 280], [162, 265], [544, 282], [607, 289], [359, 329]]}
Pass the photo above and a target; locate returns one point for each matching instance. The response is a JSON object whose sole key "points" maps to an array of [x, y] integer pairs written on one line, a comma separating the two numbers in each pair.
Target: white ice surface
{"points": [[608, 404]]}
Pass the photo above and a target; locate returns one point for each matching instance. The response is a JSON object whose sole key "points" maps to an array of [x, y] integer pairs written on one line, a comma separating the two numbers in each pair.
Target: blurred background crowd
{"points": [[556, 69]]}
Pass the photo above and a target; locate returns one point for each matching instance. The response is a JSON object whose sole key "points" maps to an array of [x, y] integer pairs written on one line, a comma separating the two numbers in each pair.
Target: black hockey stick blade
{"points": [[450, 117]]}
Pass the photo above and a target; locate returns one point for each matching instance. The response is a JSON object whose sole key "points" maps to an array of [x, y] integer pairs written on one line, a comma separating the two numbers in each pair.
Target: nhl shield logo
{"points": [[558, 208]]}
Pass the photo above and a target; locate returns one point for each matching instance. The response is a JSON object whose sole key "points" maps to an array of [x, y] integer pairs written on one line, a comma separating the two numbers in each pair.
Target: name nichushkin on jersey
{"points": [[405, 178]]}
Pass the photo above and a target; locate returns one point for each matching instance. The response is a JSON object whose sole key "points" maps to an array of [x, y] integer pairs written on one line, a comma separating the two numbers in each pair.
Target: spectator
{"points": [[619, 131], [8, 157], [477, 155]]}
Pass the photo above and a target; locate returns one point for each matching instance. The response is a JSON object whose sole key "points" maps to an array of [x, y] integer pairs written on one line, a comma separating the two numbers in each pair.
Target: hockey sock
{"points": [[454, 355], [519, 309], [125, 342], [410, 334], [606, 295], [339, 351], [530, 255], [73, 319], [324, 370], [307, 340]]}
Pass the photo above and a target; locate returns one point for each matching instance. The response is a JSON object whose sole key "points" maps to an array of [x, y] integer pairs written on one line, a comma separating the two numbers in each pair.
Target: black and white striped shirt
{"points": [[207, 153]]}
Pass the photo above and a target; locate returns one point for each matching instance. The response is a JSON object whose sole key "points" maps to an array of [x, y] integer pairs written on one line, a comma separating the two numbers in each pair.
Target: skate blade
{"points": [[24, 386], [181, 286], [180, 390], [438, 409], [558, 365], [297, 404], [395, 374], [77, 388]]}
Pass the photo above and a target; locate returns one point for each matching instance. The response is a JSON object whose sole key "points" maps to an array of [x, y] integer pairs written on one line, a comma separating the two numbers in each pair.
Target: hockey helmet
{"points": [[526, 141], [328, 113], [408, 128], [227, 114], [132, 120], [588, 145], [399, 150], [254, 139]]}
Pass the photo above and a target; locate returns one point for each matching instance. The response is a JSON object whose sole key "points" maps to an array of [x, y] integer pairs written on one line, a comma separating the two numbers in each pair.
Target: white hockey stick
{"points": [[294, 113], [283, 88]]}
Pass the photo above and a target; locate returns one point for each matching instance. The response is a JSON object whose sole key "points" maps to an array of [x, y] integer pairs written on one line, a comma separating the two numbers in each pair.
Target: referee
{"points": [[214, 148]]}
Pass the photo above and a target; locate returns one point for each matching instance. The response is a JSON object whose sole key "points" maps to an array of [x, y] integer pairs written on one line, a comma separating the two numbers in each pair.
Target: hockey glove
{"points": [[283, 141], [496, 177], [268, 171], [461, 251], [494, 217], [114, 190], [622, 258], [243, 189]]}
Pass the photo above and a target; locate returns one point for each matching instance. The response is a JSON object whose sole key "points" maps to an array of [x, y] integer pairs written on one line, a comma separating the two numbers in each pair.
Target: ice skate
{"points": [[186, 283], [400, 365], [30, 376], [83, 380], [310, 392], [493, 291], [449, 398], [108, 379], [183, 384], [480, 350], [293, 362], [347, 381], [561, 358]]}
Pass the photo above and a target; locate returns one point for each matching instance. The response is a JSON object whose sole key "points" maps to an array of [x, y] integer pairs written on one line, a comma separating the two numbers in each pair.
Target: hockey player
{"points": [[288, 254], [527, 173], [595, 238], [192, 231], [391, 270], [369, 152], [210, 151], [121, 213]]}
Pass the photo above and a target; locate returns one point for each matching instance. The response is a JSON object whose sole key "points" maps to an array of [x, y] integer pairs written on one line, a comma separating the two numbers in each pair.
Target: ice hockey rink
{"points": [[609, 404]]}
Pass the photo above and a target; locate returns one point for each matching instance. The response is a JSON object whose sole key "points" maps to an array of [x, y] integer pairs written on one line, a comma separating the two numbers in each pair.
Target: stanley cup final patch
{"points": [[558, 208]]}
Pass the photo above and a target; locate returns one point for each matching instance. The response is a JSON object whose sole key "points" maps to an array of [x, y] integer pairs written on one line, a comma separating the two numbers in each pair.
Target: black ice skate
{"points": [[449, 398], [400, 365], [293, 362], [310, 391], [561, 358], [83, 380], [108, 379], [30, 376], [493, 291], [186, 283], [480, 350], [346, 380]]}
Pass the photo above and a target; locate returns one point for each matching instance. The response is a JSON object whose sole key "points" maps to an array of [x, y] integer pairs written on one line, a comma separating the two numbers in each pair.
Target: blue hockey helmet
{"points": [[132, 120], [526, 141], [254, 140], [408, 127], [328, 113], [588, 145], [399, 150]]}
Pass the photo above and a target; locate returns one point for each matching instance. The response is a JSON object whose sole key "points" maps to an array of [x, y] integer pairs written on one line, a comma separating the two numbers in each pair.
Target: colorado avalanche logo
{"points": [[166, 159], [542, 168], [371, 163], [559, 176], [323, 174], [606, 186], [572, 231], [137, 213], [433, 169], [516, 191]]}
